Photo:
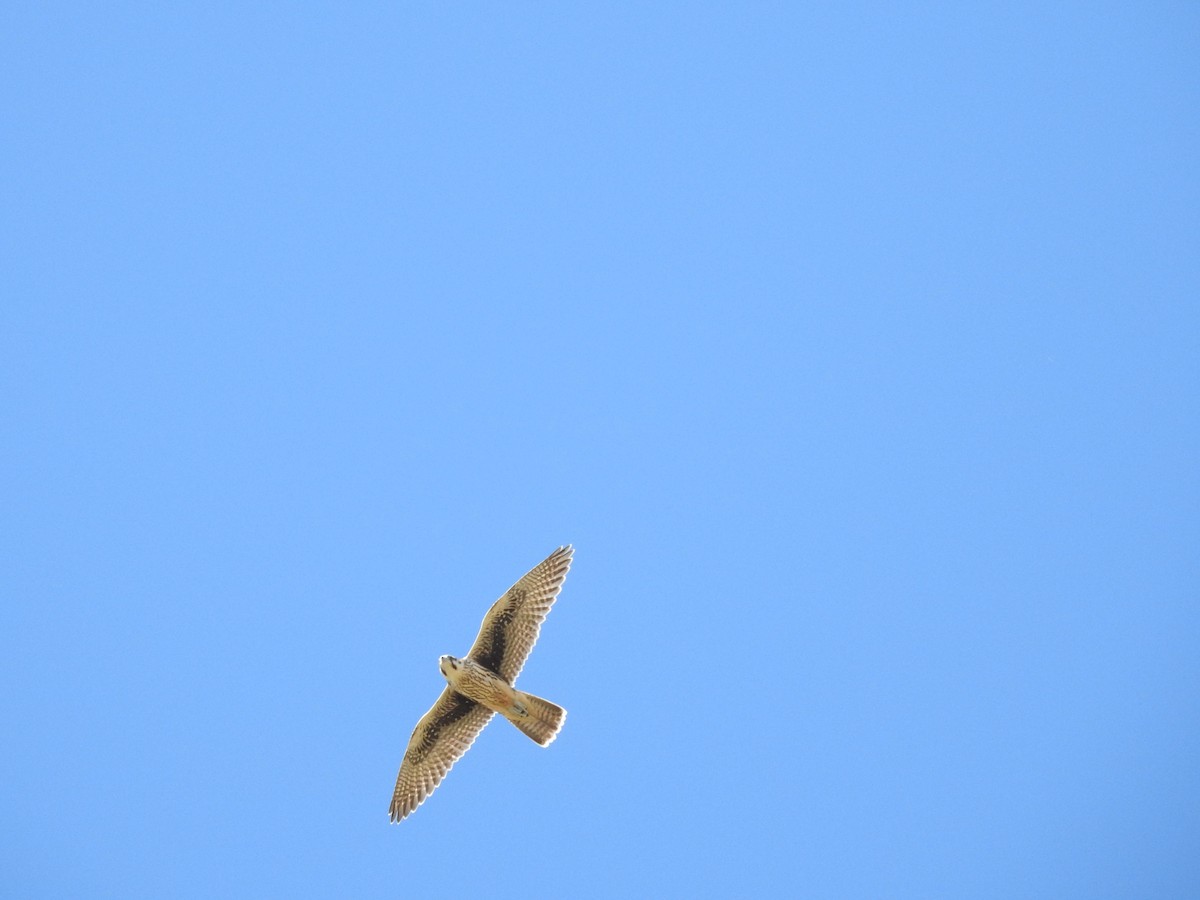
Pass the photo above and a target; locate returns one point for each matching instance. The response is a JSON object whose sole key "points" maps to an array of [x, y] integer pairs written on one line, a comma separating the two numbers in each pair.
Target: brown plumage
{"points": [[482, 684]]}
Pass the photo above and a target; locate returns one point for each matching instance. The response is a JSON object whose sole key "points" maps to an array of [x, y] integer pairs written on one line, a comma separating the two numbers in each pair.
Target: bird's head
{"points": [[448, 664]]}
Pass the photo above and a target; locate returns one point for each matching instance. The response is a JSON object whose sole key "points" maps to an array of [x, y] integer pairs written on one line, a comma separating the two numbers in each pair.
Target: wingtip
{"points": [[564, 556], [398, 813]]}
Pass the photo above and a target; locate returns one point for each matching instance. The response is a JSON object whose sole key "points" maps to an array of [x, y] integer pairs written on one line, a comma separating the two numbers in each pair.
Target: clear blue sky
{"points": [[856, 349]]}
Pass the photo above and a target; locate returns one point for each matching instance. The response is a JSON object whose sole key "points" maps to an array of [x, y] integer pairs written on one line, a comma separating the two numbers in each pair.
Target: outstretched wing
{"points": [[437, 743], [511, 626]]}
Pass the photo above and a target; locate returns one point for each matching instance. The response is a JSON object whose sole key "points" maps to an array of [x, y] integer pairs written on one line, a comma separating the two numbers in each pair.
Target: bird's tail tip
{"points": [[543, 721]]}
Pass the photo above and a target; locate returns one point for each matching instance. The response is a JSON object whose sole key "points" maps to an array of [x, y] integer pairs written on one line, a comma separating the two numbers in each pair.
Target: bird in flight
{"points": [[482, 683]]}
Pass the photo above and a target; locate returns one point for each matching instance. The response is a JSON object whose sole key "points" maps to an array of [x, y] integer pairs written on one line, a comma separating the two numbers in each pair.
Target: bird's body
{"points": [[539, 719], [479, 684], [483, 683]]}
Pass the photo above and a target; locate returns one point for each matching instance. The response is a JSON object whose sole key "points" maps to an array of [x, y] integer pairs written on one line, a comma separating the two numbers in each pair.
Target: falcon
{"points": [[482, 683]]}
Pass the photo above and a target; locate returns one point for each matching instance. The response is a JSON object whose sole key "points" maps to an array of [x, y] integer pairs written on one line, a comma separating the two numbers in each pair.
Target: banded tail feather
{"points": [[542, 720]]}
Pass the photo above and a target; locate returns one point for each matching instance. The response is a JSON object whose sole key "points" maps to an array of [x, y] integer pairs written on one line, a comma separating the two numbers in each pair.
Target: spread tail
{"points": [[542, 720]]}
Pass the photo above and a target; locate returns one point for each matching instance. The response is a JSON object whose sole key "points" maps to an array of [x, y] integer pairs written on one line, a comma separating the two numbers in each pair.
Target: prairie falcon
{"points": [[482, 684]]}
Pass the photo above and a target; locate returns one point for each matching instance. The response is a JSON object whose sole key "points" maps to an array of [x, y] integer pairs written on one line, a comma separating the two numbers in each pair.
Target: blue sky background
{"points": [[856, 349]]}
